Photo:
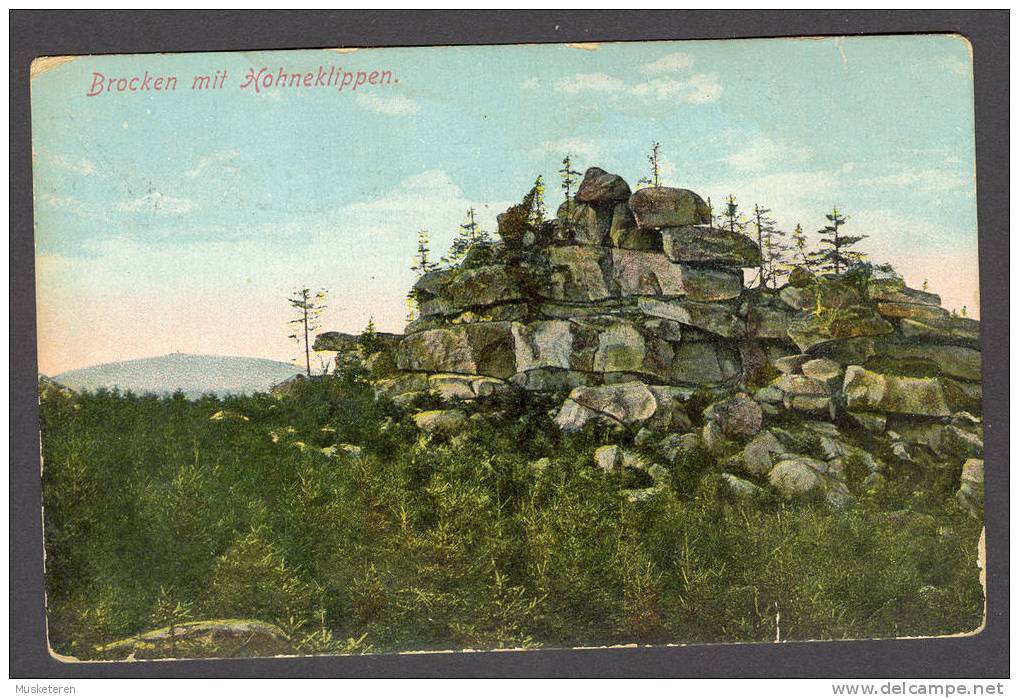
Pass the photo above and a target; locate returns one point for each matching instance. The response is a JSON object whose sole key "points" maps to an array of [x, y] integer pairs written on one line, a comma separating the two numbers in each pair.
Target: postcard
{"points": [[508, 347]]}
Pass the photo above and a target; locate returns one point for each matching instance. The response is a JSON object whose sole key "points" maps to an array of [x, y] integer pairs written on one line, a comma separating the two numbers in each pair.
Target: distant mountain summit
{"points": [[191, 373]]}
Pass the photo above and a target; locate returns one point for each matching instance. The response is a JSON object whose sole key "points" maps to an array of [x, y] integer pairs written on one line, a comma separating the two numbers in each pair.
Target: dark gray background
{"points": [[35, 33]]}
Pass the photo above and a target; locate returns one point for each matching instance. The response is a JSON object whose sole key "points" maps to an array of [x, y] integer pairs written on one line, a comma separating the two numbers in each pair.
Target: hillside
{"points": [[191, 373]]}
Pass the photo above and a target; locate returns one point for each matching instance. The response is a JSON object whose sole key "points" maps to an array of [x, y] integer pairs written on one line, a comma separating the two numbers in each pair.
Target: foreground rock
{"points": [[971, 488], [799, 476], [441, 422], [623, 405], [202, 639]]}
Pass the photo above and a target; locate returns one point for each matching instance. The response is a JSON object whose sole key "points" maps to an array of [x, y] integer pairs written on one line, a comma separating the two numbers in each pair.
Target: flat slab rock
{"points": [[659, 207]]}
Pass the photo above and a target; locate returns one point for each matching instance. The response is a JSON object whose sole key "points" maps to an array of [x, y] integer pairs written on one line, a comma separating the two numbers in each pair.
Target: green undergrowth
{"points": [[504, 535]]}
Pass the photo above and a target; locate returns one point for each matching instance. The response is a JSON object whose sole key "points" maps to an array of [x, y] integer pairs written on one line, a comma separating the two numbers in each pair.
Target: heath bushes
{"points": [[504, 535]]}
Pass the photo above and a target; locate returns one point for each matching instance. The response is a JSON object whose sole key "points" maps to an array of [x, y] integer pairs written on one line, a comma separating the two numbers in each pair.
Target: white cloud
{"points": [[695, 89], [590, 82], [926, 180], [157, 202], [703, 89], [206, 161], [390, 105], [762, 152], [672, 63], [530, 84], [578, 147], [430, 200]]}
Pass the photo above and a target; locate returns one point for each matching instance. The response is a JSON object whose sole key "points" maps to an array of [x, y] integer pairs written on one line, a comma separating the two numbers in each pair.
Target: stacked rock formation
{"points": [[628, 302], [620, 287]]}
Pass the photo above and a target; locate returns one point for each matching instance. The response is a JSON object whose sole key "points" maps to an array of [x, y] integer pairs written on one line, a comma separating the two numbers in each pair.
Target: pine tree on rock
{"points": [[537, 194], [422, 260], [731, 218], [568, 177], [837, 257], [800, 253], [654, 159], [469, 235]]}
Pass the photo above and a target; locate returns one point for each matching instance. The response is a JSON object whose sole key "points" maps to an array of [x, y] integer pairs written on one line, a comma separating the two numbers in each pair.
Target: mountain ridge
{"points": [[193, 374]]}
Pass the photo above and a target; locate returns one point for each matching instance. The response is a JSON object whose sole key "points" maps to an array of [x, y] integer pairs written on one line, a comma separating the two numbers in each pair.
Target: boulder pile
{"points": [[628, 302]]}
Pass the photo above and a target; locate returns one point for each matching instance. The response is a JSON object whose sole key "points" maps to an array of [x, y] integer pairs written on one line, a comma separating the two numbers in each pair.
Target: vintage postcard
{"points": [[539, 346]]}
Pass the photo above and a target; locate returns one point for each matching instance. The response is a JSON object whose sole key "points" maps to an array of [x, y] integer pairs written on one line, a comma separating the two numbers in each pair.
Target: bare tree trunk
{"points": [[307, 350]]}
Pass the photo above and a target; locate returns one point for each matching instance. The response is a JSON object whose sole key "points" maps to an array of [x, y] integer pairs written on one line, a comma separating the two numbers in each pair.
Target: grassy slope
{"points": [[461, 543]]}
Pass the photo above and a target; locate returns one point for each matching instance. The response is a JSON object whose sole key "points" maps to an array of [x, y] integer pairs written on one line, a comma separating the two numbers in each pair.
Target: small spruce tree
{"points": [[538, 211], [800, 253], [568, 177], [469, 235], [422, 260], [654, 159], [369, 339], [836, 255], [731, 218]]}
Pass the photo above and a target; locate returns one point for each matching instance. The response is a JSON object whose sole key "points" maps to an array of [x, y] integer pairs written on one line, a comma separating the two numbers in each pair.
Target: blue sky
{"points": [[179, 221]]}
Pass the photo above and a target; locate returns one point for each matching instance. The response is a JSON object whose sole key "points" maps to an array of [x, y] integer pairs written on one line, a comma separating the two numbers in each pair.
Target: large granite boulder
{"points": [[704, 363], [840, 324], [549, 344], [709, 245], [623, 404], [642, 273], [578, 274], [799, 475], [483, 348], [584, 224], [599, 186], [716, 319], [738, 417], [759, 454], [928, 360], [661, 207], [455, 386], [868, 391], [949, 330], [484, 286]]}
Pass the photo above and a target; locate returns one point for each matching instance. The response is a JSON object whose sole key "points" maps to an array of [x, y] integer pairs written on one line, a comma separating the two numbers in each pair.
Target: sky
{"points": [[180, 221]]}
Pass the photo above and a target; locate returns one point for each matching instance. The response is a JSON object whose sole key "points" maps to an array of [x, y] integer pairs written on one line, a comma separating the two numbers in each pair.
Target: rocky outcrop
{"points": [[628, 302], [596, 299]]}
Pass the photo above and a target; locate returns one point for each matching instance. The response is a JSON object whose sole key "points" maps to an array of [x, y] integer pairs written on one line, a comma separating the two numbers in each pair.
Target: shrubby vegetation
{"points": [[504, 535]]}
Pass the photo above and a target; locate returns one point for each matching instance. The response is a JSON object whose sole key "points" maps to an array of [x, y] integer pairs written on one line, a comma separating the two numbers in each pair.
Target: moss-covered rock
{"points": [[709, 245], [868, 391], [658, 207]]}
